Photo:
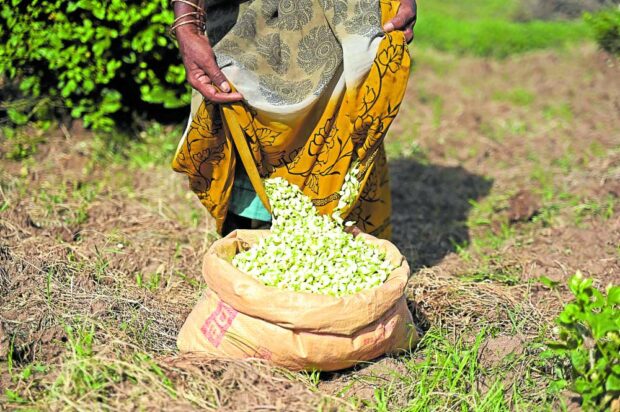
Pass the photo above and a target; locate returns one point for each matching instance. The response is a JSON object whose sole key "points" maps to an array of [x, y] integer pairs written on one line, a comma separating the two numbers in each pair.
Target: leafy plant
{"points": [[589, 337], [91, 59], [606, 27]]}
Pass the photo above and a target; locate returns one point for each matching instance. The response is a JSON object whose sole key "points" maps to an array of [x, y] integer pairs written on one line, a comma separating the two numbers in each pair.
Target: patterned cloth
{"points": [[321, 85]]}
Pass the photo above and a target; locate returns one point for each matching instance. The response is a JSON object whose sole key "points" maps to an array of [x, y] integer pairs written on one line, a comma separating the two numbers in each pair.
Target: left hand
{"points": [[404, 20]]}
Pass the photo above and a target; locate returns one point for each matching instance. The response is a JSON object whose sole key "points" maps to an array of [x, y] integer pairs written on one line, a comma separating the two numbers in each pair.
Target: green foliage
{"points": [[590, 339], [447, 376], [93, 58], [606, 27], [493, 37]]}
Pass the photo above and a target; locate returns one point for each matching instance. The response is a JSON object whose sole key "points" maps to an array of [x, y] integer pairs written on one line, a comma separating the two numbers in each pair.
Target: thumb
{"points": [[218, 78], [399, 21]]}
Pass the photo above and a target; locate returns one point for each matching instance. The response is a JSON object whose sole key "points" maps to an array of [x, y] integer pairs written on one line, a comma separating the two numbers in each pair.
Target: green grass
{"points": [[471, 10], [495, 37], [487, 28], [448, 373]]}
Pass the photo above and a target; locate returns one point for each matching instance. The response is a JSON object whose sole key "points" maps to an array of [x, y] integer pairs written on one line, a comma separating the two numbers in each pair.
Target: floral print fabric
{"points": [[322, 84]]}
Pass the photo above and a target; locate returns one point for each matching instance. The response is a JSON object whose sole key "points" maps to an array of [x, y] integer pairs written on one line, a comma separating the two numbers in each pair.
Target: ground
{"points": [[505, 179]]}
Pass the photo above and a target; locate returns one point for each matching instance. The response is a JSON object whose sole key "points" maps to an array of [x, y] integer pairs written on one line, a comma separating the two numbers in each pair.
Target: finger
{"points": [[203, 84], [207, 90], [403, 18], [229, 97], [409, 35], [216, 75]]}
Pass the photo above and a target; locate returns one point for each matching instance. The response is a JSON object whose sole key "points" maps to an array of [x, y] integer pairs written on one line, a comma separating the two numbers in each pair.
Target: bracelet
{"points": [[191, 13], [197, 22]]}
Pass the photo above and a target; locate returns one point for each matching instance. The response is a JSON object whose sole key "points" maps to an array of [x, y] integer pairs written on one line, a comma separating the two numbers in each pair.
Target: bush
{"points": [[91, 59], [606, 27], [589, 332]]}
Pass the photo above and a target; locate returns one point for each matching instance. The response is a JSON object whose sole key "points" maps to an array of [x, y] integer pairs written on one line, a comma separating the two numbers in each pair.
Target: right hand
{"points": [[201, 68]]}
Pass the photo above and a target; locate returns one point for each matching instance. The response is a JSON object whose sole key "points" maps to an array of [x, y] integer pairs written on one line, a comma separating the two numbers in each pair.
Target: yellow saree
{"points": [[322, 84]]}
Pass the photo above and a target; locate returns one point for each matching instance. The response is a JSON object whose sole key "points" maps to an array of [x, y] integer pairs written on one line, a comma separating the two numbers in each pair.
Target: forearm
{"points": [[189, 16]]}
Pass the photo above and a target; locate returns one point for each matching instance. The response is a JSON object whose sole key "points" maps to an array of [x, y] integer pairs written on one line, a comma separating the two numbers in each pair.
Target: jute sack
{"points": [[239, 317]]}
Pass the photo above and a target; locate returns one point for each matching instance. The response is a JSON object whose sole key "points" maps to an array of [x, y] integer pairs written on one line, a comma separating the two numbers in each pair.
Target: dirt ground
{"points": [[505, 180]]}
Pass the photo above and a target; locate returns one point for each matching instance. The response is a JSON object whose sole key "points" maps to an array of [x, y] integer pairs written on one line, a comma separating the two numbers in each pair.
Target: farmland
{"points": [[505, 174]]}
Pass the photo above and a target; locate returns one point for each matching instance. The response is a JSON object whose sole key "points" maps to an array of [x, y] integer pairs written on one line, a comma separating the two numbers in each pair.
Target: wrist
{"points": [[187, 31]]}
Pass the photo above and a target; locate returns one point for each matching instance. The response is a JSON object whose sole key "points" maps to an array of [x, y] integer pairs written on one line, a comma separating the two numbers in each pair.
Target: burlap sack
{"points": [[239, 317]]}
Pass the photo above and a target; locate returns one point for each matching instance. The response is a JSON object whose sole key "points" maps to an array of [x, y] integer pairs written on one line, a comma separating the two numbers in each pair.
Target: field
{"points": [[505, 173]]}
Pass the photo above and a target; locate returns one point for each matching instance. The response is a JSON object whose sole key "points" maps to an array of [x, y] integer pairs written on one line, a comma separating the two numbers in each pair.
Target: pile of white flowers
{"points": [[309, 252]]}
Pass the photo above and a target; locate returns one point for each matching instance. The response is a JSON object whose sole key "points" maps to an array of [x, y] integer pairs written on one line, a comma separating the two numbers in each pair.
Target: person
{"points": [[302, 89]]}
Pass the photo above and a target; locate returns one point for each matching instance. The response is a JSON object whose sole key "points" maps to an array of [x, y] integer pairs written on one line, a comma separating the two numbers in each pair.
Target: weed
{"points": [[380, 403], [313, 376], [606, 27], [589, 336], [445, 375]]}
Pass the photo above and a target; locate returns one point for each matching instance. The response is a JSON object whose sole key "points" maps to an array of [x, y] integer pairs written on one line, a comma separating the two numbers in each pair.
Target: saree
{"points": [[322, 84]]}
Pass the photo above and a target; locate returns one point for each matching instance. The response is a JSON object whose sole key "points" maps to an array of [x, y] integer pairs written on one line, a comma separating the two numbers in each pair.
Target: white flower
{"points": [[312, 253]]}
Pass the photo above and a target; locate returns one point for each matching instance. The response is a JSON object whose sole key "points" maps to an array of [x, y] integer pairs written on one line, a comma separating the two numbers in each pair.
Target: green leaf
{"points": [[613, 295], [613, 383], [579, 359], [17, 117], [551, 284], [558, 386], [601, 324]]}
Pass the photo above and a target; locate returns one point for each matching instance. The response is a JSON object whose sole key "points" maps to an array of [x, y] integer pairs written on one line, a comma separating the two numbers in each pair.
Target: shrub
{"points": [[589, 332], [91, 59], [606, 27]]}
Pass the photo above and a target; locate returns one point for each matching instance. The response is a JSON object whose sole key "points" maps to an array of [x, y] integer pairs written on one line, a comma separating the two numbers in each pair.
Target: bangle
{"points": [[199, 19], [197, 22]]}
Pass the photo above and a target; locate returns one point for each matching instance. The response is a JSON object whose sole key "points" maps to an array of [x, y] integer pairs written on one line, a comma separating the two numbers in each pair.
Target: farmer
{"points": [[301, 89]]}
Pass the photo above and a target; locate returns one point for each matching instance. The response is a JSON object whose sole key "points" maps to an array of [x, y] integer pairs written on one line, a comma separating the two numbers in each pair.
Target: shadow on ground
{"points": [[430, 206]]}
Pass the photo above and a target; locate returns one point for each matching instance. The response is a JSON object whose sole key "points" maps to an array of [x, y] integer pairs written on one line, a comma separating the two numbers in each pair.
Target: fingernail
{"points": [[225, 87], [388, 27]]}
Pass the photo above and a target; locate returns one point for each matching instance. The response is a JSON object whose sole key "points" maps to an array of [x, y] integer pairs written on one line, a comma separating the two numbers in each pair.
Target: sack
{"points": [[239, 317]]}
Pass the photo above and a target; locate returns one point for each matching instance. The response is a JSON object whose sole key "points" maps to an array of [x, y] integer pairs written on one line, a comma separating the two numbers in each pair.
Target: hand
{"points": [[354, 230], [404, 20], [201, 67]]}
